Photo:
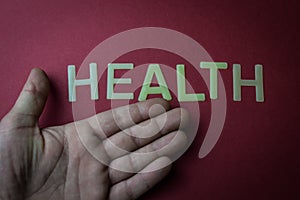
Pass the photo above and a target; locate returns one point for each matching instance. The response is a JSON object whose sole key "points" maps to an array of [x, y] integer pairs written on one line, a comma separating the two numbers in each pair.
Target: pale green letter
{"points": [[161, 89], [238, 83], [182, 96], [92, 81], [213, 66], [111, 81]]}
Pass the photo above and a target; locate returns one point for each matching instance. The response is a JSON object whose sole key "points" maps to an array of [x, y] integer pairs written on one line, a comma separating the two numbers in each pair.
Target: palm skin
{"points": [[80, 160]]}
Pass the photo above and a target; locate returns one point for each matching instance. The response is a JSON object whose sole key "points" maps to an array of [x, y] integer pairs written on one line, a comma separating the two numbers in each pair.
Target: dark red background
{"points": [[257, 156]]}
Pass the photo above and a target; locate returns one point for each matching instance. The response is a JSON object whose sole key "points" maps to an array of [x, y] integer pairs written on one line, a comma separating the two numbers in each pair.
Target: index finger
{"points": [[109, 122]]}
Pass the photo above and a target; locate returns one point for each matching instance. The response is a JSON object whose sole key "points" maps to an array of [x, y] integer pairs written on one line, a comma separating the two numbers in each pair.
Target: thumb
{"points": [[33, 96]]}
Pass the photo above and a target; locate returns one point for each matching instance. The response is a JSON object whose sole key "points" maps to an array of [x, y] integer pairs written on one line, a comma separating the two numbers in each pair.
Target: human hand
{"points": [[54, 163]]}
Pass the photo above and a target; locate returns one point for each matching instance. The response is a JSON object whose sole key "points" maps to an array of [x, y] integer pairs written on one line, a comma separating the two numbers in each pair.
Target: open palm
{"points": [[112, 155]]}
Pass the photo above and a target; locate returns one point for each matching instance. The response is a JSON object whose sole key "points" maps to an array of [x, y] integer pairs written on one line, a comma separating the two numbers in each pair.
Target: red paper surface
{"points": [[257, 155]]}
